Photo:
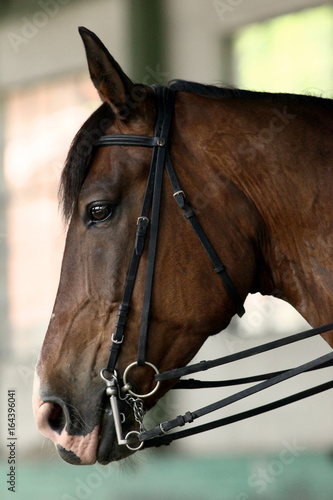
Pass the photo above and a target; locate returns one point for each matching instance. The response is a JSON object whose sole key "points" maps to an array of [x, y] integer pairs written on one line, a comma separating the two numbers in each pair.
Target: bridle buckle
{"points": [[142, 219], [115, 341], [177, 193]]}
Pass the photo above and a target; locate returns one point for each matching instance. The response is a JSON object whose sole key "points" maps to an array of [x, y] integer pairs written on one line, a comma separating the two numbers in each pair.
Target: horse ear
{"points": [[109, 79]]}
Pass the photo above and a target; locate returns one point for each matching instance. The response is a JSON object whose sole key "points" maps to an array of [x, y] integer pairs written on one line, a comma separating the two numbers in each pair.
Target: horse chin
{"points": [[108, 449]]}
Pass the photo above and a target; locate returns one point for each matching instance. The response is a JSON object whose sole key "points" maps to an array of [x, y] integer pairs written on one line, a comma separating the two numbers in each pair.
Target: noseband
{"points": [[149, 215]]}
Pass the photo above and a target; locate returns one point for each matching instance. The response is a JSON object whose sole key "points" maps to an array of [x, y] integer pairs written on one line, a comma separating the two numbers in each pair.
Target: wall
{"points": [[43, 45]]}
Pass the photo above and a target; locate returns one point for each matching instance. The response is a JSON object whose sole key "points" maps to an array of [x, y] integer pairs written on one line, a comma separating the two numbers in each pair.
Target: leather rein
{"points": [[149, 215]]}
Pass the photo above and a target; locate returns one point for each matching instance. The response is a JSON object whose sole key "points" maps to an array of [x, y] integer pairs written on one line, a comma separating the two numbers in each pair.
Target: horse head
{"points": [[102, 189]]}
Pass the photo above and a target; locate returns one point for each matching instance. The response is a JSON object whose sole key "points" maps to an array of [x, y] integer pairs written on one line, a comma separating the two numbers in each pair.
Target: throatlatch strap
{"points": [[189, 213]]}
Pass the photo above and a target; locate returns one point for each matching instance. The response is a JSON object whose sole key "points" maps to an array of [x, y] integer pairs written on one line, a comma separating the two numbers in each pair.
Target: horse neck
{"points": [[279, 156], [284, 166]]}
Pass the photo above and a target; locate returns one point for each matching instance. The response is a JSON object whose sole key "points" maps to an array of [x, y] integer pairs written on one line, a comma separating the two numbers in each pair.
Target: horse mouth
{"points": [[108, 449]]}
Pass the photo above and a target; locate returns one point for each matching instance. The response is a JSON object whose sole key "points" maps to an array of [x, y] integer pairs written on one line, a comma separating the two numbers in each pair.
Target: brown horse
{"points": [[257, 169]]}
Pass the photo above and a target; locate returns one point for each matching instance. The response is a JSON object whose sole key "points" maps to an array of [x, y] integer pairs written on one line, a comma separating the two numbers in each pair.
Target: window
{"points": [[291, 53], [40, 125]]}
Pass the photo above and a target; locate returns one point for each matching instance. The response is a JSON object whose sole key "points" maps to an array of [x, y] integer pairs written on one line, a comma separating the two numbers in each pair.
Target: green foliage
{"points": [[292, 53]]}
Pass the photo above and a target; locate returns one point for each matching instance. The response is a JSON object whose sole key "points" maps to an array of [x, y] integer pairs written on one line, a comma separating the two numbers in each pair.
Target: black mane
{"points": [[82, 148], [235, 93]]}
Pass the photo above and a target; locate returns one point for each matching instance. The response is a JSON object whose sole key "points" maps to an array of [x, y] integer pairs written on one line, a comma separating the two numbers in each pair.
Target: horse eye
{"points": [[100, 212]]}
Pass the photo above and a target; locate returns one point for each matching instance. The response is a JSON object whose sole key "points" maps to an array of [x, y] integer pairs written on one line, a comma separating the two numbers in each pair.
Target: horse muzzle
{"points": [[84, 439]]}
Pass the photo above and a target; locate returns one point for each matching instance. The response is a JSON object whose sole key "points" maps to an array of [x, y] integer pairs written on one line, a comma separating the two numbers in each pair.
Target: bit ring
{"points": [[133, 448], [141, 396]]}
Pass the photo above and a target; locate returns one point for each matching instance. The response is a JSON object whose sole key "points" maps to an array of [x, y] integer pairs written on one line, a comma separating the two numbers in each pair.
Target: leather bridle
{"points": [[149, 216]]}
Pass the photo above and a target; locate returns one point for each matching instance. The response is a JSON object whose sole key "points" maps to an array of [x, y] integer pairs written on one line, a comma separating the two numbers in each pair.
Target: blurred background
{"points": [[45, 95]]}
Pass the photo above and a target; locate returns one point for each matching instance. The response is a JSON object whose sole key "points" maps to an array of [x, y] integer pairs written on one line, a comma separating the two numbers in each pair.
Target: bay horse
{"points": [[257, 171]]}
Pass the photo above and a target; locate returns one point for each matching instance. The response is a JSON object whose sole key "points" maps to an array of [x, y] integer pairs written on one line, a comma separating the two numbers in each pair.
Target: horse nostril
{"points": [[56, 418]]}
